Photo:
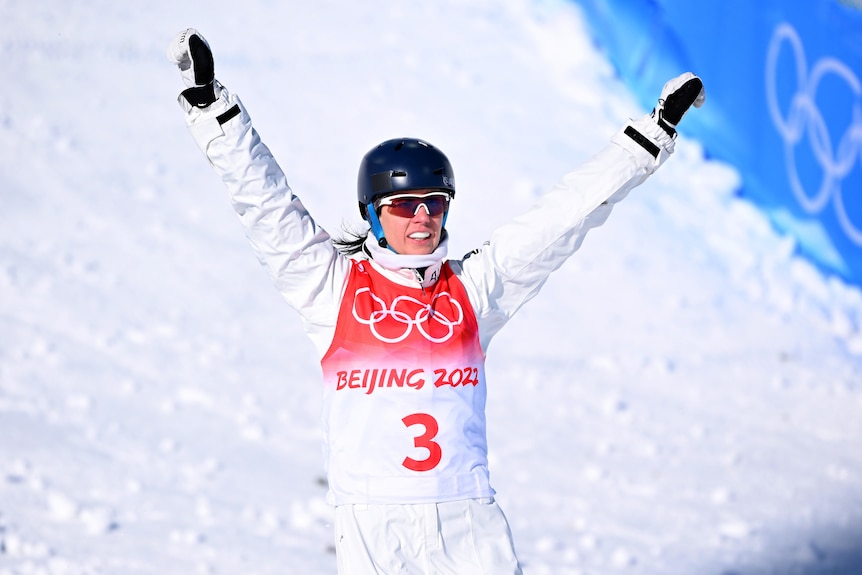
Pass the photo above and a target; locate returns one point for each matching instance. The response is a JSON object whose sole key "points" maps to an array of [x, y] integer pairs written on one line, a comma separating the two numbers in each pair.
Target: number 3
{"points": [[424, 440]]}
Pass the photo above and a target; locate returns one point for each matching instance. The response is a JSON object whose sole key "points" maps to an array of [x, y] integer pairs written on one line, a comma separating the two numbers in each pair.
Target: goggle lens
{"points": [[405, 206]]}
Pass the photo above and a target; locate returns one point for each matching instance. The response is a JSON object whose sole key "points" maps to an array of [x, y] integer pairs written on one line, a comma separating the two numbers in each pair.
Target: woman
{"points": [[400, 329]]}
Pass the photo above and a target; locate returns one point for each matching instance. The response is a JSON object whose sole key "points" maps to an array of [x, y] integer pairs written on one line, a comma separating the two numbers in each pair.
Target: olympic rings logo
{"points": [[803, 118], [405, 313]]}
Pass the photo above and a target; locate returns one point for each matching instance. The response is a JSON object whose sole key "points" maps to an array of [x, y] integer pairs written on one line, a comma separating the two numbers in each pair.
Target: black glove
{"points": [[677, 96], [190, 51]]}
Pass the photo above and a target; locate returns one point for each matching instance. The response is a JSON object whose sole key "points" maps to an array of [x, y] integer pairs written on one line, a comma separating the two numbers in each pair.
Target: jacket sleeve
{"points": [[510, 268], [299, 255]]}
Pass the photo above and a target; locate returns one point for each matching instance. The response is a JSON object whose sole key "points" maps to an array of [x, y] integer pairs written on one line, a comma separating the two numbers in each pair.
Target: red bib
{"points": [[404, 395]]}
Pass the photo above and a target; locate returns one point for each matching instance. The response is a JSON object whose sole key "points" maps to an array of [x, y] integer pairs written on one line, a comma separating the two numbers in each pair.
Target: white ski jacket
{"points": [[498, 277]]}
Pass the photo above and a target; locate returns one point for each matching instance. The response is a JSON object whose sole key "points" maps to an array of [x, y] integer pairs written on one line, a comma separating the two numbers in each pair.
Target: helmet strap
{"points": [[377, 228]]}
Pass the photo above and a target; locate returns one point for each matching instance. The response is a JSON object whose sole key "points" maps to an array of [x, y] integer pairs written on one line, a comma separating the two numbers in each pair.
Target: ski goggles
{"points": [[407, 205]]}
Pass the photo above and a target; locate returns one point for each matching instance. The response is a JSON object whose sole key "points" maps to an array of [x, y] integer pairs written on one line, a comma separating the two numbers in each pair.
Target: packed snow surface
{"points": [[684, 396]]}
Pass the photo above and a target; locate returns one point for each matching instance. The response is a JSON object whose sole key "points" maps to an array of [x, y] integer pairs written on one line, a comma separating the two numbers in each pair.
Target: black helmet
{"points": [[401, 165]]}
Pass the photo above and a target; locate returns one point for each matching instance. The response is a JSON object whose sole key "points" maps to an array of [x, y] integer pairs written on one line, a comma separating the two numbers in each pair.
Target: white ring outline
{"points": [[421, 317], [803, 116]]}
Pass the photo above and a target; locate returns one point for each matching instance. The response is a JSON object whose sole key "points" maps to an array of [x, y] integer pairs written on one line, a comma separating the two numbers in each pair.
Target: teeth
{"points": [[420, 236]]}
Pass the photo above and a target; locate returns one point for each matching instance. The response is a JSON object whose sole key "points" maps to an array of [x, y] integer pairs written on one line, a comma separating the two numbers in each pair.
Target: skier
{"points": [[402, 331]]}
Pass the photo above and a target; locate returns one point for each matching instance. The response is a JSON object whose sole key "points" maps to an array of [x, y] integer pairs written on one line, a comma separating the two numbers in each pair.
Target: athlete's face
{"points": [[413, 222]]}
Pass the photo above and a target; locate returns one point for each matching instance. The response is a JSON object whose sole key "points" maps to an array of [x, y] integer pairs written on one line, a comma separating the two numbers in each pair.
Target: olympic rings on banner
{"points": [[804, 118]]}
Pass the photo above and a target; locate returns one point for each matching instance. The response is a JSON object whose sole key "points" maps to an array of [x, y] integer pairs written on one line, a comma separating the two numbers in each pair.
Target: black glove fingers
{"points": [[202, 57], [678, 103]]}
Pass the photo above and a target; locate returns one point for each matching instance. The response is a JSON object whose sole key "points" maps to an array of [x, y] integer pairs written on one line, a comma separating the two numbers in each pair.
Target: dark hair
{"points": [[351, 240]]}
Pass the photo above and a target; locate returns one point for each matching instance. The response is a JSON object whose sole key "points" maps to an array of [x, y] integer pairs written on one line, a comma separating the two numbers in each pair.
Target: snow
{"points": [[683, 397]]}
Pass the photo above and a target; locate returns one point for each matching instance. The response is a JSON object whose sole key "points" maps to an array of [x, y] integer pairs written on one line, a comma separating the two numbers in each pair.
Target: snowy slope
{"points": [[685, 396]]}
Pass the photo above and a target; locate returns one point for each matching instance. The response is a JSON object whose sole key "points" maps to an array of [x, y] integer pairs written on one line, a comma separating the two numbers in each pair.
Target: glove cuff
{"points": [[648, 143], [659, 118], [200, 96]]}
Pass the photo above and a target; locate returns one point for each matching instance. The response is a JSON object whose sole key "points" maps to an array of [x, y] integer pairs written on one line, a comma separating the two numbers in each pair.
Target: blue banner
{"points": [[784, 102]]}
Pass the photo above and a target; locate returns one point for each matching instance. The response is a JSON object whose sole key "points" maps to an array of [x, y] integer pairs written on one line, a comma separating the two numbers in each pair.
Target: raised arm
{"points": [[299, 255], [514, 264]]}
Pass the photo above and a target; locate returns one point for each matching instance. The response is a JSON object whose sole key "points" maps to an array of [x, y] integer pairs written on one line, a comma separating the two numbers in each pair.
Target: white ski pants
{"points": [[468, 537]]}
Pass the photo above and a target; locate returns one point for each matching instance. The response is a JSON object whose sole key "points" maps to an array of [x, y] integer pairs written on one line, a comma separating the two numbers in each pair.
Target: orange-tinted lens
{"points": [[409, 207]]}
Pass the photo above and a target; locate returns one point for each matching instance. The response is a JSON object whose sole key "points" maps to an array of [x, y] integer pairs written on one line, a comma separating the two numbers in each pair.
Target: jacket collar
{"points": [[424, 269]]}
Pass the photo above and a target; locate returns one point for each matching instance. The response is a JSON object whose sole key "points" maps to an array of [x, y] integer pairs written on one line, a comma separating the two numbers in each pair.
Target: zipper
{"points": [[421, 281]]}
